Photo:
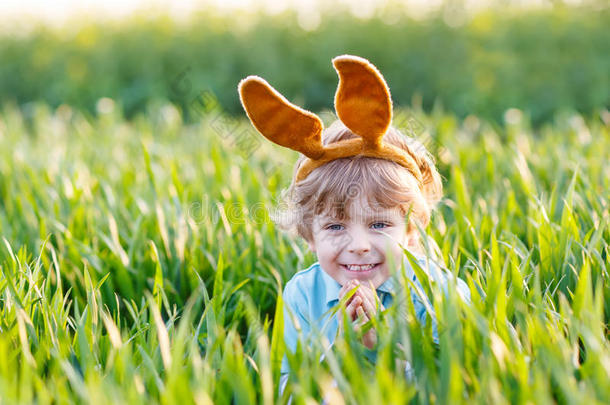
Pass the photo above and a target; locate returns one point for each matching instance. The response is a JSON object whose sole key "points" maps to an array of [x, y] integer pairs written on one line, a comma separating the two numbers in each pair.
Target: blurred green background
{"points": [[138, 259], [540, 60]]}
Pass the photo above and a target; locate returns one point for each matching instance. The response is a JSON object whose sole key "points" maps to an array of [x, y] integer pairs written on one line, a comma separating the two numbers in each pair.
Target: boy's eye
{"points": [[379, 225], [334, 227]]}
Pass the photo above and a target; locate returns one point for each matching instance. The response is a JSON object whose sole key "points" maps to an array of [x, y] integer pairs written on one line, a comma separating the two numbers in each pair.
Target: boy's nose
{"points": [[358, 244]]}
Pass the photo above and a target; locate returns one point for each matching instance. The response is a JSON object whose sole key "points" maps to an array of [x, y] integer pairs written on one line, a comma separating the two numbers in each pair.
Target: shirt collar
{"points": [[387, 286], [332, 287]]}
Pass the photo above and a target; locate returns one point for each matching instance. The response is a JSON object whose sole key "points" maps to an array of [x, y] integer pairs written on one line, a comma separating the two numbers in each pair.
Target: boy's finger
{"points": [[371, 286], [368, 295], [373, 297], [373, 292], [347, 287], [362, 318], [372, 306], [369, 307], [351, 308], [370, 302]]}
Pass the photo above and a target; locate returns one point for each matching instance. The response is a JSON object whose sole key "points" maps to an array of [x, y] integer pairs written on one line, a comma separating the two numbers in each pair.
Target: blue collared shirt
{"points": [[311, 294]]}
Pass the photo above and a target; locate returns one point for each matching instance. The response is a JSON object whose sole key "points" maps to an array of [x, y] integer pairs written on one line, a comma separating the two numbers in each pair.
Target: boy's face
{"points": [[358, 247]]}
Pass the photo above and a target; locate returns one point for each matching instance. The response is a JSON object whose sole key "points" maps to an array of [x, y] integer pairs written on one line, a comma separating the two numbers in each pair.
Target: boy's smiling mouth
{"points": [[358, 268]]}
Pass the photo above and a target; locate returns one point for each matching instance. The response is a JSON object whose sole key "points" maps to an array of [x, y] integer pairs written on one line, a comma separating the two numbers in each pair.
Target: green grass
{"points": [[539, 58], [138, 265]]}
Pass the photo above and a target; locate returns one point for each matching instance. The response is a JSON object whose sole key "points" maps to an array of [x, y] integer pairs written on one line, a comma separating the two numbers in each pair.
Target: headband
{"points": [[362, 102]]}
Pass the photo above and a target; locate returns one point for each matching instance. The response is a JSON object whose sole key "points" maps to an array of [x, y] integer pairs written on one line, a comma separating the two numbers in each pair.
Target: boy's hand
{"points": [[361, 307]]}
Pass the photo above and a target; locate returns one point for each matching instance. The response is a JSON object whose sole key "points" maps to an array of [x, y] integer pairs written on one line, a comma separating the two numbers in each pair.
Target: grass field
{"points": [[138, 265]]}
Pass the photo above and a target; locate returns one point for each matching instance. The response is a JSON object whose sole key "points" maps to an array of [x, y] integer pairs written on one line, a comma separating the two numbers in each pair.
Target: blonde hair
{"points": [[332, 187]]}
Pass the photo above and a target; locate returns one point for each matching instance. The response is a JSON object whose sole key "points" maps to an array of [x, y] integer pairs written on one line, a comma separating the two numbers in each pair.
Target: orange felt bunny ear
{"points": [[279, 120], [362, 101]]}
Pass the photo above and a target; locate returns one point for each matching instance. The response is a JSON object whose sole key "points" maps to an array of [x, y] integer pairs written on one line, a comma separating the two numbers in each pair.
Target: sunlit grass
{"points": [[138, 264]]}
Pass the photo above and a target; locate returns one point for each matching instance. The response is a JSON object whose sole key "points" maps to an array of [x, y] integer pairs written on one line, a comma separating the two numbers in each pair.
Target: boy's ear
{"points": [[412, 238], [312, 245]]}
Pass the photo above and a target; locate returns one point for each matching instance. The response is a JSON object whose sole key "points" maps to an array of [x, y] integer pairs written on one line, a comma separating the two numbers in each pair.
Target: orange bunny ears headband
{"points": [[362, 103]]}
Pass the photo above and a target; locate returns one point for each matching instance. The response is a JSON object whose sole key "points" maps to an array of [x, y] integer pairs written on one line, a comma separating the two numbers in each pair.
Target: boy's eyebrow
{"points": [[327, 219], [379, 213], [385, 216]]}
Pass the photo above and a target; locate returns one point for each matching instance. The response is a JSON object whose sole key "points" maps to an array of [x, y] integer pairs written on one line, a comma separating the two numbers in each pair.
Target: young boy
{"points": [[353, 214], [358, 196]]}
